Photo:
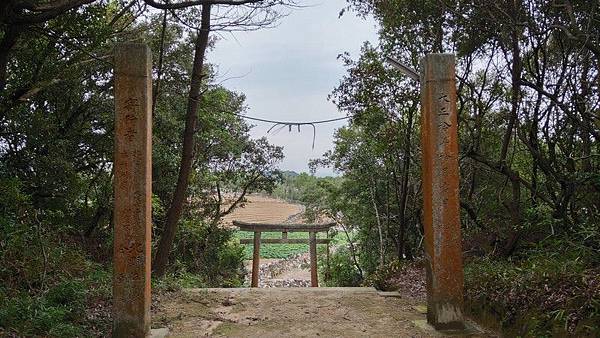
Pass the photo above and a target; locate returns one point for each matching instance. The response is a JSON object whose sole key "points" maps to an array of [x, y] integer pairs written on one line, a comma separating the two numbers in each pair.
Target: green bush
{"points": [[381, 278], [342, 271], [59, 310], [177, 281], [68, 293], [209, 252], [45, 280], [58, 313], [546, 294]]}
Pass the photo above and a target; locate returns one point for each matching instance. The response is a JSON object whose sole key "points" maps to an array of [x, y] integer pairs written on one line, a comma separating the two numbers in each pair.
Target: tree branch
{"points": [[46, 11], [185, 4]]}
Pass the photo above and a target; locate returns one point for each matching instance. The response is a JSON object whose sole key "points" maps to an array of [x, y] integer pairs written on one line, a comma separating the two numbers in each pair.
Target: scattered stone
{"points": [[159, 333], [269, 272], [389, 294]]}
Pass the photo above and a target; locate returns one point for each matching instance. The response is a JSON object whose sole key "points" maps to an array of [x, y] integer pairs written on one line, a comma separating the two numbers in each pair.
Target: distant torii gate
{"points": [[259, 228]]}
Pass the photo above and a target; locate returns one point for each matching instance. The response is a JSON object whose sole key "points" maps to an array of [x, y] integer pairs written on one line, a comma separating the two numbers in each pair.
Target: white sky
{"points": [[288, 71]]}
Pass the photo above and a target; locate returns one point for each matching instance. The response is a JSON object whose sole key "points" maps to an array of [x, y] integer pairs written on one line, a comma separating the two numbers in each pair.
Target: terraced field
{"points": [[264, 210]]}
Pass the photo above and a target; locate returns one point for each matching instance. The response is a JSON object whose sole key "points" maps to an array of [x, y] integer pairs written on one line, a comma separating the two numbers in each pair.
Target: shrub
{"points": [[342, 271], [177, 281], [69, 294], [382, 278], [58, 313], [210, 252], [542, 295]]}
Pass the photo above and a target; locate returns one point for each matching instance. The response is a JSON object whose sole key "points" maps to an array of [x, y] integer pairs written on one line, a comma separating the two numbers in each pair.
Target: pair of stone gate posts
{"points": [[133, 191]]}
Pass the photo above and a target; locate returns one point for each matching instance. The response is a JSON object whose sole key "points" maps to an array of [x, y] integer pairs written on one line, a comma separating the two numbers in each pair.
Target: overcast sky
{"points": [[287, 72]]}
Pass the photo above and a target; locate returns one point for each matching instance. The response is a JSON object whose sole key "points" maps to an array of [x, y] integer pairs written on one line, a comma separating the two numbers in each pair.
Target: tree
{"points": [[527, 107], [57, 111], [251, 19], [383, 106], [525, 111]]}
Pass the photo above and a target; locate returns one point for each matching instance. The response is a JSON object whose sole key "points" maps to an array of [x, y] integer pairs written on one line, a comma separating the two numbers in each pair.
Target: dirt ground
{"points": [[293, 312]]}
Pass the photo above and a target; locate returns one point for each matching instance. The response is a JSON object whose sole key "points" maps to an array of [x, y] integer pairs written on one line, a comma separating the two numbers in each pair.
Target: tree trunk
{"points": [[404, 185], [515, 214], [101, 211], [515, 81], [514, 206], [379, 229], [11, 35], [351, 247], [159, 68], [161, 258]]}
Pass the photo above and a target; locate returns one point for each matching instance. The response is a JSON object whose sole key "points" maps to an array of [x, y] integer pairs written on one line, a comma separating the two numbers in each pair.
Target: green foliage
{"points": [[208, 251], [46, 283], [276, 251], [29, 258], [380, 279], [342, 271], [59, 311], [177, 281], [68, 293], [547, 294], [296, 187], [28, 316]]}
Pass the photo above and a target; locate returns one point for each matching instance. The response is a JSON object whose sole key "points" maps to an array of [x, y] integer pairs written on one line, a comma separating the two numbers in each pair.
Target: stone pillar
{"points": [[133, 189], [441, 213]]}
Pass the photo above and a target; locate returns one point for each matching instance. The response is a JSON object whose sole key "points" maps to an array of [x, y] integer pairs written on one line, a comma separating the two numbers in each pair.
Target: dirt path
{"points": [[292, 312]]}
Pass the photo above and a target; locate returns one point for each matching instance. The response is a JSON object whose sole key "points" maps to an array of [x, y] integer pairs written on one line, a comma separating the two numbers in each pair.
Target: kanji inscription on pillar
{"points": [[441, 213], [132, 189]]}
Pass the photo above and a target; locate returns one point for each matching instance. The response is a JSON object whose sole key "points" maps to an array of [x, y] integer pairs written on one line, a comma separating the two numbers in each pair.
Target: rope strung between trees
{"points": [[291, 124]]}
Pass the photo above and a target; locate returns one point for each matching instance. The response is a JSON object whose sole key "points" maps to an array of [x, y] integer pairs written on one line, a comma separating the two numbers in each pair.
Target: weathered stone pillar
{"points": [[441, 214], [133, 189]]}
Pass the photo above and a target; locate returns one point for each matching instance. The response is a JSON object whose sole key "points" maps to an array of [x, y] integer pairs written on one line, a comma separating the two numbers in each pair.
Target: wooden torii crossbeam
{"points": [[312, 240]]}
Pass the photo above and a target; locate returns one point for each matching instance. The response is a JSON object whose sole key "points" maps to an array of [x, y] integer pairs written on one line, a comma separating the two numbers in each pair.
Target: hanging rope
{"points": [[291, 124]]}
